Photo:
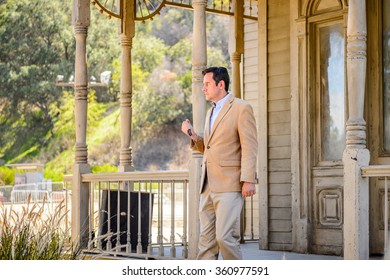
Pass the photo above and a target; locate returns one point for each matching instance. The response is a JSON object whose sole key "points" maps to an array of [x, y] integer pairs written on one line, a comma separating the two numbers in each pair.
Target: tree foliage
{"points": [[34, 47], [37, 117]]}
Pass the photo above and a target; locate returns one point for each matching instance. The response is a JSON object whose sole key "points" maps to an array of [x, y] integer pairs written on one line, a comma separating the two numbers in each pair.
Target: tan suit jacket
{"points": [[230, 149]]}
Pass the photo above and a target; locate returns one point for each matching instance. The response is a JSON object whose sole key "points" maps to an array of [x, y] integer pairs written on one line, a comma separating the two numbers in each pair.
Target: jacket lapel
{"points": [[207, 125], [226, 107]]}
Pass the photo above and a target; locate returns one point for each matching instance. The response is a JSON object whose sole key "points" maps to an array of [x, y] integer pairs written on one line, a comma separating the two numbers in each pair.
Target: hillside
{"points": [[164, 149]]}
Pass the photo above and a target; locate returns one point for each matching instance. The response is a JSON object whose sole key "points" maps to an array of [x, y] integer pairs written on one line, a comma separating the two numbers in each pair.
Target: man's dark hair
{"points": [[219, 74]]}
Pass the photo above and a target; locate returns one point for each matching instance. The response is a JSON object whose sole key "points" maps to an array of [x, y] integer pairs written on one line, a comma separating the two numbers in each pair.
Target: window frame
{"points": [[316, 23]]}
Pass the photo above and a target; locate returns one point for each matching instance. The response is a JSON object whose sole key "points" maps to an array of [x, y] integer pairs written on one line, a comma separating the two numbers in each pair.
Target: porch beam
{"points": [[356, 155]]}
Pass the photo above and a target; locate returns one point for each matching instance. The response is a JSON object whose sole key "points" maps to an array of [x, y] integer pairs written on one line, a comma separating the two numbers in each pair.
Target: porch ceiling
{"points": [[147, 9]]}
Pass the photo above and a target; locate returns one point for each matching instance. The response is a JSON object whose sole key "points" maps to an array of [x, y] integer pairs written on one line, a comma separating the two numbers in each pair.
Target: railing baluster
{"points": [[252, 219], [66, 211], [150, 251], [128, 248], [173, 248], [139, 243], [91, 216], [108, 247], [99, 245], [161, 219], [184, 238], [118, 219], [386, 217]]}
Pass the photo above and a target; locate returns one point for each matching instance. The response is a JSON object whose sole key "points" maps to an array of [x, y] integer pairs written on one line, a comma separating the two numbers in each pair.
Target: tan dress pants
{"points": [[219, 225]]}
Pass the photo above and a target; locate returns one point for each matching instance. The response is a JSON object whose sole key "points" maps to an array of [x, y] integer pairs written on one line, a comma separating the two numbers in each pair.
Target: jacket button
{"points": [[208, 147]]}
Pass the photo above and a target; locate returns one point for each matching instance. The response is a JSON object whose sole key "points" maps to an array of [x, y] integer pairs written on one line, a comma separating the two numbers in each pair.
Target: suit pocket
{"points": [[230, 163]]}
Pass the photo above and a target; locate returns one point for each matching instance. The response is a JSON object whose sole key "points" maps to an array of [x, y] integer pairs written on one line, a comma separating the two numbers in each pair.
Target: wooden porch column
{"points": [[127, 30], [237, 46], [356, 193], [199, 61], [80, 193]]}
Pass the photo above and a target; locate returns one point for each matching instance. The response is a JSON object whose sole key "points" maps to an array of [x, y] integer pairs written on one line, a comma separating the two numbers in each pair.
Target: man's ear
{"points": [[221, 84]]}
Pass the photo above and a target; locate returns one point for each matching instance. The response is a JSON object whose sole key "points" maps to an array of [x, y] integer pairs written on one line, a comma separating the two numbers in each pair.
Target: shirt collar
{"points": [[220, 102]]}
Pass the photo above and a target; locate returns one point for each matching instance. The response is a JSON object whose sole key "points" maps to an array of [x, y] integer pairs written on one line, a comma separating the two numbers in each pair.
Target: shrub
{"points": [[35, 234], [7, 175]]}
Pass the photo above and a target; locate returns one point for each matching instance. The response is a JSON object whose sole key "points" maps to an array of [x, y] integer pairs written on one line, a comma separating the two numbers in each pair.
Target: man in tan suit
{"points": [[229, 152]]}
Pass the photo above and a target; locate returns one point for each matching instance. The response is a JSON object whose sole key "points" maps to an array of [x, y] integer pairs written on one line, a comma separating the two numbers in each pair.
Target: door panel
{"points": [[328, 60]]}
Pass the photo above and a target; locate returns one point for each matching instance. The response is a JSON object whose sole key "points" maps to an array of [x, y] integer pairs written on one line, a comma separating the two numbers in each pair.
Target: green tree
{"points": [[37, 118], [172, 25], [35, 46]]}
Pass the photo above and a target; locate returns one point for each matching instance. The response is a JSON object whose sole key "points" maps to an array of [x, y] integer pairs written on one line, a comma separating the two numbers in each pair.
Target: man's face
{"points": [[212, 92]]}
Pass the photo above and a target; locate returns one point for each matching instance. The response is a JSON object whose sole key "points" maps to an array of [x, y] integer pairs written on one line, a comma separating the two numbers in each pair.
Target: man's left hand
{"points": [[248, 189]]}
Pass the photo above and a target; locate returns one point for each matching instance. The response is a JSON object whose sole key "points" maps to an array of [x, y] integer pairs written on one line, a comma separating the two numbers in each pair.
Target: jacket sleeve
{"points": [[198, 144], [248, 139]]}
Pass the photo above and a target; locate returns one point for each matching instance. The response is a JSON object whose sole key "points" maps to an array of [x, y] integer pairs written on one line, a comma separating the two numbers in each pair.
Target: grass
{"points": [[33, 233]]}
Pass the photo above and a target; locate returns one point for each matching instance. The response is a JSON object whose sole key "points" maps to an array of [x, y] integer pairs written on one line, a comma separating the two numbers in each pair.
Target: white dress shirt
{"points": [[216, 109]]}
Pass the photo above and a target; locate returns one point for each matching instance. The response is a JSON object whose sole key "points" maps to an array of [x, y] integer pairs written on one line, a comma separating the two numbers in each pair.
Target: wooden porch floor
{"points": [[250, 251]]}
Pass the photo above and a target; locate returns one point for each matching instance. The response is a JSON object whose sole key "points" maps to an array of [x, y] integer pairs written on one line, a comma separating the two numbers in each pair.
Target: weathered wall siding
{"points": [[279, 153], [328, 240], [279, 117], [279, 57], [280, 226], [279, 140], [282, 80], [280, 165], [278, 93], [277, 236], [281, 214], [279, 189], [278, 105], [250, 62], [279, 128], [279, 125], [278, 68], [250, 93]]}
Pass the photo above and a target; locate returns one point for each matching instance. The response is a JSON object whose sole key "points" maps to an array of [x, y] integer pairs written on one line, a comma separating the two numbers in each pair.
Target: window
{"points": [[331, 91]]}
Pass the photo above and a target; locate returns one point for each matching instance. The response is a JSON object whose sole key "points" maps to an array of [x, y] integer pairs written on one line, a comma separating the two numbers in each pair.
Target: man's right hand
{"points": [[186, 127]]}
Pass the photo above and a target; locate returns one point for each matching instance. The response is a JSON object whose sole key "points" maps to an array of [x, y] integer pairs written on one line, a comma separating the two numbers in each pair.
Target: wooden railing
{"points": [[138, 214], [166, 196], [384, 172]]}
